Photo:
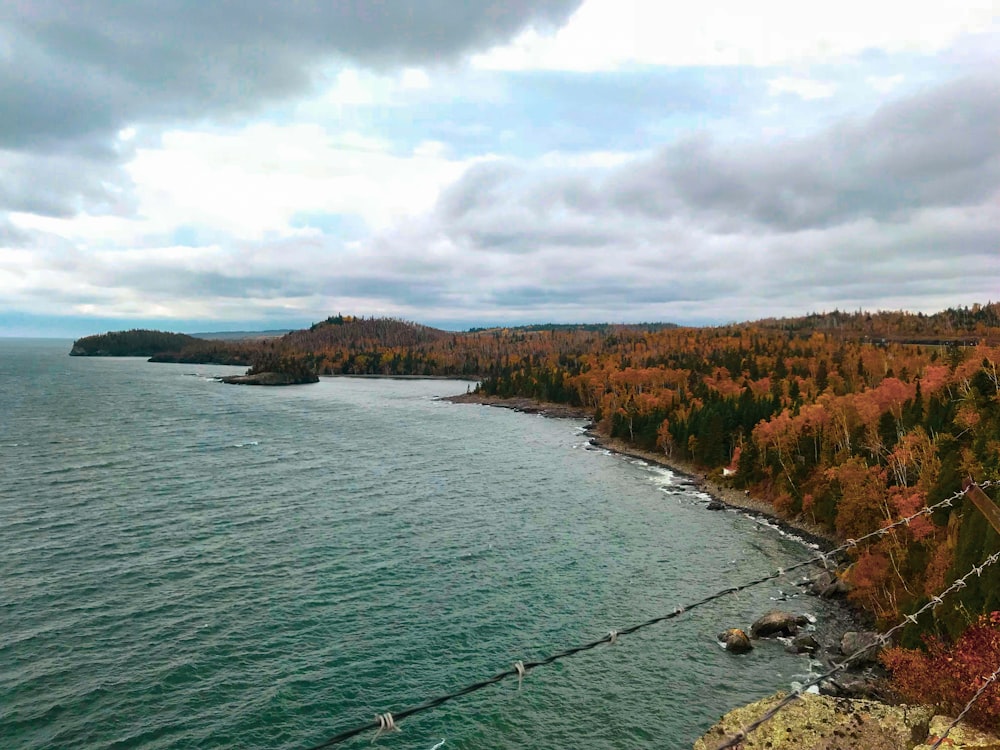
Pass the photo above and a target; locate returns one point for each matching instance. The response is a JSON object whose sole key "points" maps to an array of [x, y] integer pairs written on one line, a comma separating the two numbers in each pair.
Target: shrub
{"points": [[947, 676]]}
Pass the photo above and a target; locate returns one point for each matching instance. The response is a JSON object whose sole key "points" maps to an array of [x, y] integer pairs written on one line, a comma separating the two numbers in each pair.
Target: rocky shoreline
{"points": [[525, 405], [818, 722], [834, 641], [850, 713], [728, 496], [269, 379]]}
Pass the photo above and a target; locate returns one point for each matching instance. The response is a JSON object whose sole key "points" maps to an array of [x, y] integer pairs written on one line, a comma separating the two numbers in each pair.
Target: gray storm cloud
{"points": [[938, 149], [874, 210], [900, 208], [76, 69], [73, 73]]}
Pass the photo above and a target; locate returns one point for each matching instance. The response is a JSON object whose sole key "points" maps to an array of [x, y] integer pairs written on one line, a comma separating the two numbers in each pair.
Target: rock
{"points": [[736, 641], [819, 722], [961, 736], [270, 378], [855, 641], [829, 586], [803, 644], [715, 505], [776, 623], [850, 686]]}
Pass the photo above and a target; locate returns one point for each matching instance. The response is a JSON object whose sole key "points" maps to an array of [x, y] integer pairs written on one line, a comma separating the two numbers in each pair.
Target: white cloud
{"points": [[365, 198], [885, 84], [804, 88], [611, 34], [354, 87], [253, 181]]}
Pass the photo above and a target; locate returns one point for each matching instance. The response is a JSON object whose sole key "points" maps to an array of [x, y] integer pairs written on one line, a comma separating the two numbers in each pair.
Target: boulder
{"points": [[819, 722], [847, 685], [777, 622], [854, 641], [828, 585], [736, 641], [803, 644], [715, 505]]}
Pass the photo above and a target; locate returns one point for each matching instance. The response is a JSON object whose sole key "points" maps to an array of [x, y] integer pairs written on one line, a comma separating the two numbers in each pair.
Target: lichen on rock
{"points": [[818, 722], [961, 737]]}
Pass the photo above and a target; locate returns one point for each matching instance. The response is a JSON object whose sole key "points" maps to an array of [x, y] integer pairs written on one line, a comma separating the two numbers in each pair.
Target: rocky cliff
{"points": [[819, 722]]}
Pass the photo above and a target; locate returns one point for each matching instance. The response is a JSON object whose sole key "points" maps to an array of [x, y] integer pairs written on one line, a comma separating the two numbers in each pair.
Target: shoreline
{"points": [[728, 496], [861, 682], [522, 404]]}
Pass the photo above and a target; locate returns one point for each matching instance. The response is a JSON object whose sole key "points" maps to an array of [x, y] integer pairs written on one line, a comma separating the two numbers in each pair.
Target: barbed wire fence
{"points": [[387, 721], [884, 639], [968, 706]]}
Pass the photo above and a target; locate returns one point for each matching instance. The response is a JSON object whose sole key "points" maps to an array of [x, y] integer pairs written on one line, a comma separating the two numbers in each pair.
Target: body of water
{"points": [[186, 564]]}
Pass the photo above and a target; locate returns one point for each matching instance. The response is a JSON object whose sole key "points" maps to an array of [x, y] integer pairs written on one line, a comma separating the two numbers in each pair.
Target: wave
{"points": [[763, 521]]}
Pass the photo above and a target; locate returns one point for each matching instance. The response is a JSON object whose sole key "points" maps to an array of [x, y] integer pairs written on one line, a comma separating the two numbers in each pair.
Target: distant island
{"points": [[266, 367], [134, 343]]}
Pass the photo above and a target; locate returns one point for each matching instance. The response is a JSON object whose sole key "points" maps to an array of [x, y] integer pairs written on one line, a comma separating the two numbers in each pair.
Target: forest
{"points": [[849, 421]]}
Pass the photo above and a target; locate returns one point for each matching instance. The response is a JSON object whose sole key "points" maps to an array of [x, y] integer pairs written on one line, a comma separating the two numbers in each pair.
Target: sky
{"points": [[200, 165]]}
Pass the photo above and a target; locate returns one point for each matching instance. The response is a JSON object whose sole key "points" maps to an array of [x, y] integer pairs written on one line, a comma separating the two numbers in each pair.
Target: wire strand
{"points": [[883, 639], [520, 668], [968, 706]]}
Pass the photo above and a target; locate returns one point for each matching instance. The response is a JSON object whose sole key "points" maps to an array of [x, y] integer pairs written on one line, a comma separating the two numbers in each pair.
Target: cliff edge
{"points": [[819, 722]]}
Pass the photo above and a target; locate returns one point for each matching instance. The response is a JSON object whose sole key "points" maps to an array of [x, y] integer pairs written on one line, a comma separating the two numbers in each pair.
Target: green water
{"points": [[185, 564]]}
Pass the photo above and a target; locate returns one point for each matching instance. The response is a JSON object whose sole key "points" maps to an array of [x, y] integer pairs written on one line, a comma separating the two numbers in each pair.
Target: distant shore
{"points": [[526, 405], [728, 496]]}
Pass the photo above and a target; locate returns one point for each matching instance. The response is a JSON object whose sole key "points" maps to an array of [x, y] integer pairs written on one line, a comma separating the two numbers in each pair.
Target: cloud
{"points": [[885, 84], [805, 88], [612, 34], [245, 183], [347, 171], [77, 74], [61, 183], [939, 148], [898, 209], [70, 71]]}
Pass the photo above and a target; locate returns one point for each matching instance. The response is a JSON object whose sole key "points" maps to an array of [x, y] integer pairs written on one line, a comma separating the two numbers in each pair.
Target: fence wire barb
{"points": [[521, 667], [884, 639]]}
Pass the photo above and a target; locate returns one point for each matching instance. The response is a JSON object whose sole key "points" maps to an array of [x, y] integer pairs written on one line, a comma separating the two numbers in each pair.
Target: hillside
{"points": [[134, 343]]}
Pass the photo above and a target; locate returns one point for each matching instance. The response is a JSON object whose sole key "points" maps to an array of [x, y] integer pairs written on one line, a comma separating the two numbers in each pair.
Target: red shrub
{"points": [[948, 676]]}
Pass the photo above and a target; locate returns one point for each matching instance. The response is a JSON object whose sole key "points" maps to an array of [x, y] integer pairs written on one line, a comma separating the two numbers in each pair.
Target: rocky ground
{"points": [[818, 722]]}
